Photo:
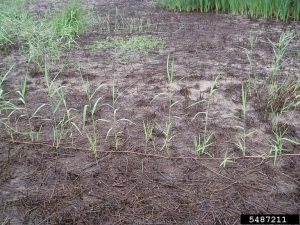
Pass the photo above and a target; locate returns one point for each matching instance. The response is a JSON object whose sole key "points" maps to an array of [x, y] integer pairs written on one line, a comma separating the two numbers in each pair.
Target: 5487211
{"points": [[270, 219]]}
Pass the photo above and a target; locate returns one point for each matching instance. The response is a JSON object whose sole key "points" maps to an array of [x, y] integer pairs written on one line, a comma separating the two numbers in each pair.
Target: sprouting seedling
{"points": [[167, 135], [23, 91], [22, 97], [166, 130], [244, 101], [115, 121], [114, 95], [241, 142], [89, 92], [226, 160], [89, 112], [62, 125], [10, 108], [168, 124], [200, 145], [277, 144], [148, 131], [2, 79], [50, 83]]}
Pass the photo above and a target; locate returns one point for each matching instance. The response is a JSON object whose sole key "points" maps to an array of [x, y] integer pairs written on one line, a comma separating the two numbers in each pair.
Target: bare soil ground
{"points": [[139, 184]]}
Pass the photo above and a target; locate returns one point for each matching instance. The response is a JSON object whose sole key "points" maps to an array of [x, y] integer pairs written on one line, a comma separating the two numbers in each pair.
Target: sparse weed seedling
{"points": [[2, 79], [167, 128], [277, 144], [148, 131], [34, 135], [89, 111], [241, 142], [7, 109], [115, 121], [202, 143], [226, 160]]}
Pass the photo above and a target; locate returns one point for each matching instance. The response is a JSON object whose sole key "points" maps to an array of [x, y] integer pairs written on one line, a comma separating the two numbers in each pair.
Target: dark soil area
{"points": [[145, 184]]}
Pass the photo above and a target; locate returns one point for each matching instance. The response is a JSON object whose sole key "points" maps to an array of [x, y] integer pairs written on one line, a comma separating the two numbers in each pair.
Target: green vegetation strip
{"points": [[134, 43], [279, 9]]}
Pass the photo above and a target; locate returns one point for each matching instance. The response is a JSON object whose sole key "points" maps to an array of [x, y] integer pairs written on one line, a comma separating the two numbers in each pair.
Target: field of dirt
{"points": [[145, 184]]}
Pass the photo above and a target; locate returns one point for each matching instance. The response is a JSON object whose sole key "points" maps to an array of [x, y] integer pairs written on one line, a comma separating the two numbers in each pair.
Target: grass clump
{"points": [[62, 119], [88, 114], [283, 92], [143, 43], [278, 142], [70, 20], [40, 37], [279, 9]]}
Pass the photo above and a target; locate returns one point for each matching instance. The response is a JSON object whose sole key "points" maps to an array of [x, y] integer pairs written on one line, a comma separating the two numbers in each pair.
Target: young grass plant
{"points": [[115, 121], [203, 142], [22, 93], [167, 127], [148, 131], [7, 109], [66, 123], [170, 70], [2, 79], [62, 119], [5, 119], [279, 137], [226, 160], [277, 144], [241, 142], [168, 124], [89, 111]]}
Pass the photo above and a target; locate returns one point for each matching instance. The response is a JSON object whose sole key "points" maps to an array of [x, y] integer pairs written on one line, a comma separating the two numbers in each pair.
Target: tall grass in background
{"points": [[279, 9]]}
